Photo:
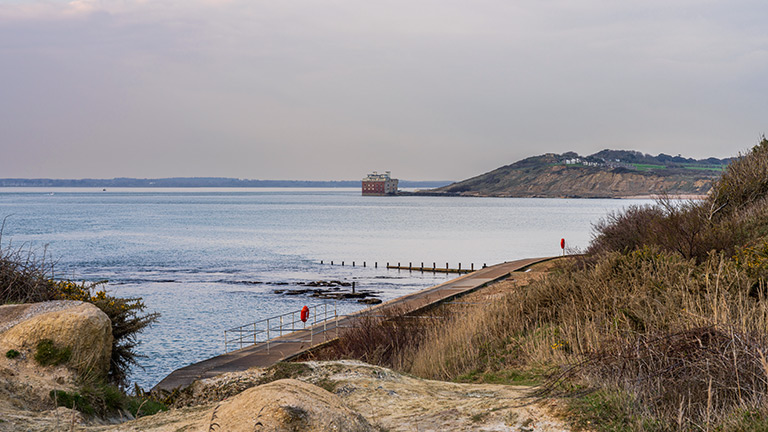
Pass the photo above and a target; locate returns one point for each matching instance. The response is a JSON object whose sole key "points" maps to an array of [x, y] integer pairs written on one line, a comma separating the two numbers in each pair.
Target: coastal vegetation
{"points": [[27, 277], [606, 174], [661, 325]]}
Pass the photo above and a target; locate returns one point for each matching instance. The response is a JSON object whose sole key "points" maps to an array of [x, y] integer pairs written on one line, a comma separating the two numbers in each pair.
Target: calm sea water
{"points": [[210, 259]]}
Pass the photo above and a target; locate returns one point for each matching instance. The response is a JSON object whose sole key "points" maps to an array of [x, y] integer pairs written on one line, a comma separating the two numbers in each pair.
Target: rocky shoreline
{"points": [[332, 290]]}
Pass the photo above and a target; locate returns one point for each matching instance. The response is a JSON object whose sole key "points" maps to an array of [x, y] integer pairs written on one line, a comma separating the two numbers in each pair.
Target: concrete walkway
{"points": [[289, 346]]}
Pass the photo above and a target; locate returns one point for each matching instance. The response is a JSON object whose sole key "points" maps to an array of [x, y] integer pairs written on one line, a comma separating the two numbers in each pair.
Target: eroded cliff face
{"points": [[561, 181]]}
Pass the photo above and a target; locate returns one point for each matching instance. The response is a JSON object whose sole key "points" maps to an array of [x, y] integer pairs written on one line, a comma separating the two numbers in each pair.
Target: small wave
{"points": [[137, 281], [239, 292]]}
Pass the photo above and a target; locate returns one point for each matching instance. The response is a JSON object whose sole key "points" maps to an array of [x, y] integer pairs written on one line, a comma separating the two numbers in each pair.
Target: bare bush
{"points": [[690, 378], [384, 339]]}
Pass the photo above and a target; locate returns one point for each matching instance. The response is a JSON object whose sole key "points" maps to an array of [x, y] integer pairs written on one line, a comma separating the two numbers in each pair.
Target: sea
{"points": [[210, 259]]}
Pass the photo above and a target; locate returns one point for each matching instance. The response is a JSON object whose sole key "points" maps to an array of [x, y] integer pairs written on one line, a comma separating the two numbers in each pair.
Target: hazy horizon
{"points": [[429, 90], [326, 180]]}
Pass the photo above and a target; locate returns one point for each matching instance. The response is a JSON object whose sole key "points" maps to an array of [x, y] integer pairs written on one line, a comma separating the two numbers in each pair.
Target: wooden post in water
{"points": [[459, 267], [422, 266], [363, 263], [331, 262], [376, 264], [472, 267], [353, 263], [433, 267], [342, 263], [446, 267]]}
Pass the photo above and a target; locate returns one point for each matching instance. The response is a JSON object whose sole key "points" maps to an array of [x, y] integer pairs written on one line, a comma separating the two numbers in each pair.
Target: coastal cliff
{"points": [[608, 174]]}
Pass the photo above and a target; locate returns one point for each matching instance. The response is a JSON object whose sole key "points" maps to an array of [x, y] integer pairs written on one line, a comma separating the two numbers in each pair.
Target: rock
{"points": [[371, 301], [286, 405], [297, 292], [81, 326], [350, 295]]}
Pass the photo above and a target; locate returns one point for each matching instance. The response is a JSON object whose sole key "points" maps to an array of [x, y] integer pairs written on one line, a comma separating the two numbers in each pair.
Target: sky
{"points": [[332, 90]]}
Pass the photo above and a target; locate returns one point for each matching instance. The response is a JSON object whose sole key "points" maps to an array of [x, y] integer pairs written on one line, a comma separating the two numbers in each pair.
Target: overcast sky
{"points": [[431, 90]]}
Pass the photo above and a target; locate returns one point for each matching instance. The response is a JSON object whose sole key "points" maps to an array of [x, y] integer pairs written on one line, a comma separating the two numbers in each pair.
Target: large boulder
{"points": [[81, 326], [285, 405]]}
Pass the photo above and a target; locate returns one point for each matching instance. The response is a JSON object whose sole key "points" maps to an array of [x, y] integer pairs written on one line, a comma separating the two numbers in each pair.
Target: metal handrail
{"points": [[267, 329]]}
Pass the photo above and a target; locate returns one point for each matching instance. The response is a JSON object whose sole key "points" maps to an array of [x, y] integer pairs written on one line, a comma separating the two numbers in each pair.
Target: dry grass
{"points": [[693, 378], [25, 275], [686, 340], [667, 316], [385, 339]]}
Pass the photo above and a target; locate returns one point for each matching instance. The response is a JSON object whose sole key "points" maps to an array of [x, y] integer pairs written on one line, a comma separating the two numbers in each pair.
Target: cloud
{"points": [[428, 89]]}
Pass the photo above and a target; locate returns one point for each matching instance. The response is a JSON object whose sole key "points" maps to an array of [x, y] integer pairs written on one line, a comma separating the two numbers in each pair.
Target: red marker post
{"points": [[562, 245]]}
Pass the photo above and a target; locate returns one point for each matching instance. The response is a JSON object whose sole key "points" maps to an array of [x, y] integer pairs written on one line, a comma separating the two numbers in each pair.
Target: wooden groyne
{"points": [[434, 268]]}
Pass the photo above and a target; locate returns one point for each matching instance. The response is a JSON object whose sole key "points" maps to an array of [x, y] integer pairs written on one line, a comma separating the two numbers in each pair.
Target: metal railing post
{"points": [[312, 323]]}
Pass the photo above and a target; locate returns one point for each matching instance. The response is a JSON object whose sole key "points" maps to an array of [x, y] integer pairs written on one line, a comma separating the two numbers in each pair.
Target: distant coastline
{"points": [[180, 182], [606, 174]]}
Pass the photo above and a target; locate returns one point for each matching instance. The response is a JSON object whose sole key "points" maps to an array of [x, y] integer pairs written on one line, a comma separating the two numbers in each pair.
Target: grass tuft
{"points": [[48, 354]]}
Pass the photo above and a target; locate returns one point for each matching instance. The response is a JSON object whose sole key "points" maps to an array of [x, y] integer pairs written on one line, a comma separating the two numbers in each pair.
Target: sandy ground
{"points": [[401, 403], [388, 400]]}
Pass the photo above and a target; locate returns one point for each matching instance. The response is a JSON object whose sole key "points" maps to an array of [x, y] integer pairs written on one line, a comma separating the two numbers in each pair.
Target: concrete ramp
{"points": [[287, 347]]}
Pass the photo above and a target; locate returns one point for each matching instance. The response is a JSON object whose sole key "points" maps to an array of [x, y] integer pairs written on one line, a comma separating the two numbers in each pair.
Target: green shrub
{"points": [[12, 354], [604, 410], [48, 354], [72, 400], [142, 406], [101, 399], [744, 182], [735, 213], [26, 277]]}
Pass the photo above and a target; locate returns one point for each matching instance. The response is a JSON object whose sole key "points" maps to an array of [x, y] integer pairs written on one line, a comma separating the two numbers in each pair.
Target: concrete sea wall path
{"points": [[293, 344]]}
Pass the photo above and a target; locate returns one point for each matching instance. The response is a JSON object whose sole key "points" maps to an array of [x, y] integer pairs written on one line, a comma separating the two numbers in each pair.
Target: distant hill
{"points": [[606, 174], [176, 182]]}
